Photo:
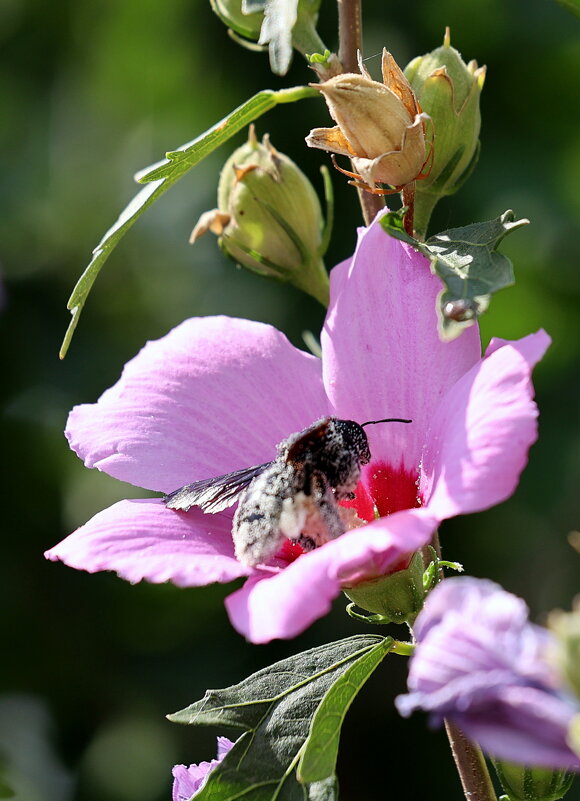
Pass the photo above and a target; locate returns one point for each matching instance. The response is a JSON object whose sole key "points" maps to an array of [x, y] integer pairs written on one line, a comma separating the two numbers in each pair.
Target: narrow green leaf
{"points": [[275, 707], [320, 751], [469, 265], [177, 162], [164, 174]]}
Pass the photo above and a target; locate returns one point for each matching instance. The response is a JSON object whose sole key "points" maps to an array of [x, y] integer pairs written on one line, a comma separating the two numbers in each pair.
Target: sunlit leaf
{"points": [[275, 708], [320, 751], [469, 265], [164, 174]]}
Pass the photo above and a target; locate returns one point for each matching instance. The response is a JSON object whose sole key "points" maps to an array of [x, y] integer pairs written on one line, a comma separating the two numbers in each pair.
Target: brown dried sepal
{"points": [[214, 221], [380, 126]]}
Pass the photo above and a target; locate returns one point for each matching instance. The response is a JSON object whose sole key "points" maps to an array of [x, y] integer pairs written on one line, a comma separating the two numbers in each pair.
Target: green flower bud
{"points": [[566, 627], [235, 15], [525, 783], [448, 91], [398, 597], [269, 218], [574, 734]]}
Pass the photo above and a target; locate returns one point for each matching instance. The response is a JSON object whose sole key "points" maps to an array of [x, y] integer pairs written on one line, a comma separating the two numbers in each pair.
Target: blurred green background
{"points": [[91, 91]]}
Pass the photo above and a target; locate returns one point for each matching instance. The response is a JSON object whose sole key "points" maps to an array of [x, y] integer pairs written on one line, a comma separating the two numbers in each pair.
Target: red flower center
{"points": [[386, 490]]}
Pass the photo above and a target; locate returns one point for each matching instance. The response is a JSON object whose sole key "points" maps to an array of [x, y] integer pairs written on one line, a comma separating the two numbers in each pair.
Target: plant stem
{"points": [[350, 42], [349, 33], [408, 198], [424, 205], [470, 763], [469, 760]]}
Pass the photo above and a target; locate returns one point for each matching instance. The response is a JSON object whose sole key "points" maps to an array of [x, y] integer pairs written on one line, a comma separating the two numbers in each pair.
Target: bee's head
{"points": [[353, 439], [372, 423]]}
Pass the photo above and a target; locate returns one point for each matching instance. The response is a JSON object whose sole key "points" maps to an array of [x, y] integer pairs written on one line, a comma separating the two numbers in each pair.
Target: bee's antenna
{"points": [[388, 420]]}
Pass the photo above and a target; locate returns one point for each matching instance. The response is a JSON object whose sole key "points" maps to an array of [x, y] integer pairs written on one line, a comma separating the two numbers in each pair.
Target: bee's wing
{"points": [[214, 494]]}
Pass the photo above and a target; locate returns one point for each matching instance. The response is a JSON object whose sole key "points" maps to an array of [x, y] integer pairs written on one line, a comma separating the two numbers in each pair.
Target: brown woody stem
{"points": [[408, 198], [470, 763], [349, 33], [350, 42]]}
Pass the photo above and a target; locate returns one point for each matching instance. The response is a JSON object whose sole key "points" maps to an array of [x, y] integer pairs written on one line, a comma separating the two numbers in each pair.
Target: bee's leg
{"points": [[328, 524]]}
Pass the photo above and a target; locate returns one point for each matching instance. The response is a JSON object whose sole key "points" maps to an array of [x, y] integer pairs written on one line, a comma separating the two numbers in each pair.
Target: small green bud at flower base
{"points": [[398, 597], [574, 734], [448, 90], [525, 783], [233, 14], [566, 628], [269, 218]]}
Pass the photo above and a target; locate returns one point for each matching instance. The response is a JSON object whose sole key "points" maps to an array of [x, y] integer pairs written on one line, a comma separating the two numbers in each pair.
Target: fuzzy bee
{"points": [[294, 497]]}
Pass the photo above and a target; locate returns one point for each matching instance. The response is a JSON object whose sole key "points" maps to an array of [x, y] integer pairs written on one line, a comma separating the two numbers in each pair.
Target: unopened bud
{"points": [[398, 597], [574, 734], [448, 90], [566, 628], [269, 218], [379, 125], [237, 16], [525, 783]]}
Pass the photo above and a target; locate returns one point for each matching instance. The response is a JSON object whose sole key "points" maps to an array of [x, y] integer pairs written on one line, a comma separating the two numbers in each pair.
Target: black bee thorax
{"points": [[296, 497]]}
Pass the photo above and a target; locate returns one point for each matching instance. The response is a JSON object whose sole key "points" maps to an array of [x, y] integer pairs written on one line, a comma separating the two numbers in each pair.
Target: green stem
{"points": [[402, 648], [305, 37], [424, 205]]}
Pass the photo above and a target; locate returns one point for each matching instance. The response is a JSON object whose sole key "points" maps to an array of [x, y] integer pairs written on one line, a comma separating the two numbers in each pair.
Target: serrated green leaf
{"points": [[320, 751], [275, 707], [471, 269], [469, 265], [162, 175]]}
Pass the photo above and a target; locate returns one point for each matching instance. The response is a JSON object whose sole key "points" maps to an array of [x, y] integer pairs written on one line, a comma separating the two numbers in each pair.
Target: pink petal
{"points": [[287, 603], [381, 351], [214, 395], [142, 539], [481, 433]]}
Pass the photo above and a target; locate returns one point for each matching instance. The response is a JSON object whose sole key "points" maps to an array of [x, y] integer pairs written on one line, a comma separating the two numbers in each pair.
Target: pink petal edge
{"points": [[478, 442], [142, 539], [282, 606], [212, 396]]}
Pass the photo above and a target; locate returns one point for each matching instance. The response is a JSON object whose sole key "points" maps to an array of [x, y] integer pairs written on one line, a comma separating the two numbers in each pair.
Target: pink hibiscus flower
{"points": [[188, 780], [217, 394]]}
